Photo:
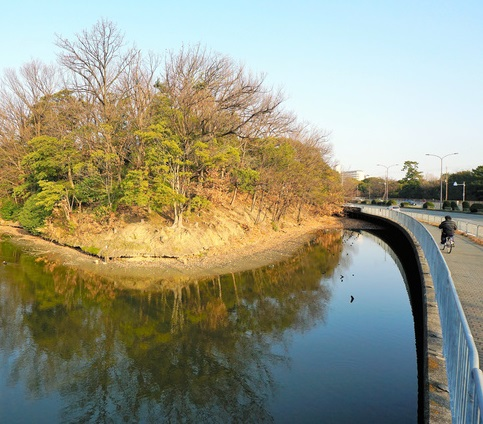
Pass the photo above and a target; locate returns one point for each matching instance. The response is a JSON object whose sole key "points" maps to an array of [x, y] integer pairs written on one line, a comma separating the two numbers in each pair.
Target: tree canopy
{"points": [[412, 181], [109, 126], [415, 186]]}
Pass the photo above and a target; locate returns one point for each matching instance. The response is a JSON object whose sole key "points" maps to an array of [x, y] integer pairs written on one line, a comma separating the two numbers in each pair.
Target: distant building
{"points": [[358, 175]]}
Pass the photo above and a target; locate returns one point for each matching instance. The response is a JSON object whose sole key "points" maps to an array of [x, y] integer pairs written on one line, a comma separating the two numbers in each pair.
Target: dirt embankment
{"points": [[136, 254]]}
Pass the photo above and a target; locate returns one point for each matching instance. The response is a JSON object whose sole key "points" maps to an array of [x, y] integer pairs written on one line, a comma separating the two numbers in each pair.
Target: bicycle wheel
{"points": [[449, 245]]}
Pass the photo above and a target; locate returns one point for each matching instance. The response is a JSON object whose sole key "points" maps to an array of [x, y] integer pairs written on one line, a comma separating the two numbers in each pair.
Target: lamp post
{"points": [[464, 188], [386, 188], [441, 176]]}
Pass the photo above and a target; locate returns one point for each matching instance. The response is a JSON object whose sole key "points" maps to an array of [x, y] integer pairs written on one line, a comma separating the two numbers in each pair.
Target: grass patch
{"points": [[92, 250]]}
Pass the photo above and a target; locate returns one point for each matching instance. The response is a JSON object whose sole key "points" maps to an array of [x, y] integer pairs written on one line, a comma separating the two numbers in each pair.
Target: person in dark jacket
{"points": [[447, 227]]}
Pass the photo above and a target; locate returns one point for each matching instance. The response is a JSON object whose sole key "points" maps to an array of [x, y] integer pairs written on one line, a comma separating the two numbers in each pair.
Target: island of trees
{"points": [[110, 129]]}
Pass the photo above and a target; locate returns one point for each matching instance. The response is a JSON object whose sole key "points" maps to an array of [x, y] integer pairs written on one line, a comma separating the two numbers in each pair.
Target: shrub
{"points": [[428, 205], [373, 202], [391, 202], [446, 205], [32, 216], [404, 204], [9, 210], [465, 205], [476, 207], [199, 203], [454, 206], [102, 214], [92, 250]]}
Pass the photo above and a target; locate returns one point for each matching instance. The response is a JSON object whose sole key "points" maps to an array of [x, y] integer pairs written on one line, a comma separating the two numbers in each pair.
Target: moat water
{"points": [[327, 336]]}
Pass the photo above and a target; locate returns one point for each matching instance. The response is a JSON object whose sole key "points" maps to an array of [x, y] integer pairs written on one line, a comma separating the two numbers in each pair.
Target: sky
{"points": [[388, 81]]}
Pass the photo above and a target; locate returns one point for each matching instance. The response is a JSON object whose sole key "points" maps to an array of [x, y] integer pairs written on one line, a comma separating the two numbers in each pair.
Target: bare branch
{"points": [[97, 63]]}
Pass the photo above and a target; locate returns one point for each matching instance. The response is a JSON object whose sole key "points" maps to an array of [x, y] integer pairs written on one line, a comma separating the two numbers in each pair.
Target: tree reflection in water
{"points": [[200, 351]]}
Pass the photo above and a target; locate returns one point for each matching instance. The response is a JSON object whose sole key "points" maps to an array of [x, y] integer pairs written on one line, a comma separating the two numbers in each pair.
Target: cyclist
{"points": [[447, 227]]}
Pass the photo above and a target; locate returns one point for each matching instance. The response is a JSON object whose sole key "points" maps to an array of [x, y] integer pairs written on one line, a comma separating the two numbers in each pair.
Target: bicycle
{"points": [[449, 244]]}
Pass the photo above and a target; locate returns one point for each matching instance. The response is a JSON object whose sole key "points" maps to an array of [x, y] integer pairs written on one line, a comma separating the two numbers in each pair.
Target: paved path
{"points": [[465, 263]]}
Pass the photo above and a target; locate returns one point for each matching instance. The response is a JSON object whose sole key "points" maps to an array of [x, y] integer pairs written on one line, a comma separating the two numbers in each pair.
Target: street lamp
{"points": [[441, 176], [464, 188], [386, 188]]}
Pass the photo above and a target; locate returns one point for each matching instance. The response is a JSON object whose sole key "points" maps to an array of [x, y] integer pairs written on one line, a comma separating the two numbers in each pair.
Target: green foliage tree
{"points": [[32, 216], [476, 186], [372, 187], [245, 180], [90, 188], [411, 183], [169, 169], [136, 188], [50, 159], [51, 193], [473, 181]]}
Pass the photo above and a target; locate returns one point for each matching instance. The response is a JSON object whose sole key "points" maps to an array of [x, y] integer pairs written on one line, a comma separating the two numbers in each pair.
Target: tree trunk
{"points": [[299, 212], [260, 208], [254, 198], [234, 196]]}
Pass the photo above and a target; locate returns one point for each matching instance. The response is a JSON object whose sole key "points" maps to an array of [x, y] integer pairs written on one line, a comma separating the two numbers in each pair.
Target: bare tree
{"points": [[212, 100], [21, 114], [221, 96], [97, 63], [21, 92], [139, 80]]}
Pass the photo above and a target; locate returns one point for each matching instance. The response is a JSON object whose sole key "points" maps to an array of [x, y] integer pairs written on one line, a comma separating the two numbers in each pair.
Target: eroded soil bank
{"points": [[261, 248]]}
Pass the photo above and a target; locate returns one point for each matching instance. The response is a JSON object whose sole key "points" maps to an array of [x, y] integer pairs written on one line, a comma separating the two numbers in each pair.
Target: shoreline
{"points": [[142, 273]]}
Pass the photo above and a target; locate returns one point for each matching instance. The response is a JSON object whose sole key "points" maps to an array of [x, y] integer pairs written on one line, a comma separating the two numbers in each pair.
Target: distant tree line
{"points": [[109, 126], [414, 186]]}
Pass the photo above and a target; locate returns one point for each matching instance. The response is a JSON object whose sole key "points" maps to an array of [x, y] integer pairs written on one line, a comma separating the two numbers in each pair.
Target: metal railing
{"points": [[468, 227], [465, 379]]}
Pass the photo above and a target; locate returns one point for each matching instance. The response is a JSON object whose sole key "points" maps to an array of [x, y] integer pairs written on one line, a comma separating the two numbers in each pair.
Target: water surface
{"points": [[327, 336]]}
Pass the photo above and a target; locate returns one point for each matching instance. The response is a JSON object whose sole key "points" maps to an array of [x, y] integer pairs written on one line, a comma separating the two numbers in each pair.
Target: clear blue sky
{"points": [[389, 80]]}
